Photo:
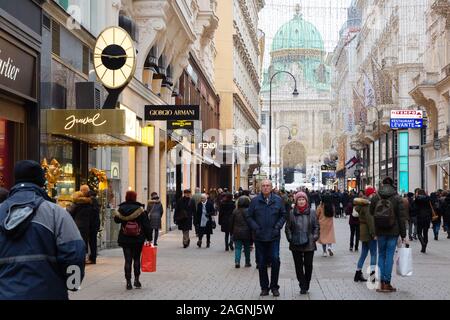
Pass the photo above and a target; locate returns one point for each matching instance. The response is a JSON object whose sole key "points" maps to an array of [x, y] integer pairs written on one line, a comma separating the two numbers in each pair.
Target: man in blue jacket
{"points": [[266, 217], [41, 250]]}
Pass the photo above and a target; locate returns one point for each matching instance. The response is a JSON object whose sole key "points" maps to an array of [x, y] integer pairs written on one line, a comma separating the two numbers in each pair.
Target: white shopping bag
{"points": [[404, 262]]}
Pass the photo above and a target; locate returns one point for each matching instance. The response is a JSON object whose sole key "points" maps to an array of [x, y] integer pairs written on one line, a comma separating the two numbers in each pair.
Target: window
{"points": [[56, 38], [263, 118]]}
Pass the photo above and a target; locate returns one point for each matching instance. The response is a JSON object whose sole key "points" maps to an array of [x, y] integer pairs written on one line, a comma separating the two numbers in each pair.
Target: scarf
{"points": [[302, 209], [204, 220]]}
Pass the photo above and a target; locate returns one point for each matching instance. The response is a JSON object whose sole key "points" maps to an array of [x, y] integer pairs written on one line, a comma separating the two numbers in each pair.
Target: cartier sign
{"points": [[17, 70], [172, 112]]}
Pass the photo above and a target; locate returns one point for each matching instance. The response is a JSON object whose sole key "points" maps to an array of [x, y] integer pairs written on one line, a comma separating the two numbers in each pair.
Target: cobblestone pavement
{"points": [[193, 273]]}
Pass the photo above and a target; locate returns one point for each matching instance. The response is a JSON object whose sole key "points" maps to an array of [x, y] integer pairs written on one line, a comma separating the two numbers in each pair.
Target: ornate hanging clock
{"points": [[114, 58]]}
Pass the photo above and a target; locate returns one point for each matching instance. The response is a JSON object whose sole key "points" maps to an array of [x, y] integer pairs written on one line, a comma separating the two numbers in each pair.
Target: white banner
{"points": [[406, 114]]}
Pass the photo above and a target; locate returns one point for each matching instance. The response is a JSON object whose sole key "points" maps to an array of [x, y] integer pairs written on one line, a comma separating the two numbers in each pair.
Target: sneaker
{"points": [[275, 292], [330, 252], [324, 254], [264, 292]]}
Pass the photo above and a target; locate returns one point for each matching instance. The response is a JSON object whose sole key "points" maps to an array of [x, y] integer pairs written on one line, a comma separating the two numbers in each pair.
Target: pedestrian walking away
{"points": [[302, 231], [266, 216], [39, 241], [183, 216], [390, 217], [135, 230], [325, 215], [241, 232], [226, 209], [424, 209], [155, 212]]}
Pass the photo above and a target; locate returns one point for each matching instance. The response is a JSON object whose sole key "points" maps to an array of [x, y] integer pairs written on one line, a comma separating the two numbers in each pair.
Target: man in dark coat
{"points": [[184, 212], [225, 211], [266, 217], [94, 223], [203, 220], [41, 249]]}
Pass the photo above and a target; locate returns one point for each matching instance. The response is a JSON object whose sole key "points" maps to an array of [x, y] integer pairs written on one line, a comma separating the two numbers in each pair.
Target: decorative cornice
{"points": [[442, 8], [248, 22], [248, 114], [243, 53]]}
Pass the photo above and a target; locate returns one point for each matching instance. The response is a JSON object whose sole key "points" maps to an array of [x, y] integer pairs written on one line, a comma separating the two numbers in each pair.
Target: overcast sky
{"points": [[327, 15]]}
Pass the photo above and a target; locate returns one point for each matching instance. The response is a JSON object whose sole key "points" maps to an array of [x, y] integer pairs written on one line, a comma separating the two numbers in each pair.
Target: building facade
{"points": [[389, 56], [238, 82], [302, 125]]}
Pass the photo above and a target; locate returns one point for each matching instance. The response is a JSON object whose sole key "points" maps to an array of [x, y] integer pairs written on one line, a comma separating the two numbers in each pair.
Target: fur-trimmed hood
{"points": [[361, 202], [79, 198]]}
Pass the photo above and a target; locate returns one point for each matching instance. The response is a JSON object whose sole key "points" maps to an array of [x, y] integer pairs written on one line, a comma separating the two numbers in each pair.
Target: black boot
{"points": [[129, 286], [359, 277], [231, 246], [137, 284]]}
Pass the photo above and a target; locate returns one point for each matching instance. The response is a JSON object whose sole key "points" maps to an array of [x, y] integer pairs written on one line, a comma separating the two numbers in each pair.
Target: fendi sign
{"points": [[17, 70], [171, 112]]}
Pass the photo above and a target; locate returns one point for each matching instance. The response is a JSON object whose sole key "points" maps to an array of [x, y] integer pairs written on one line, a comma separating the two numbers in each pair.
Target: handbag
{"points": [[355, 213], [434, 216], [213, 223], [148, 258], [404, 262]]}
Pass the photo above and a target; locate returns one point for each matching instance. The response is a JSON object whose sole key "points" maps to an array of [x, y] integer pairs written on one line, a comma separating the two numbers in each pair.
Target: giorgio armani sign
{"points": [[172, 112], [17, 70]]}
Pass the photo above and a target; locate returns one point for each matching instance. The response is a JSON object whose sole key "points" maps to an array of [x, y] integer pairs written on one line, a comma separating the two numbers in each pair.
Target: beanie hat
{"points": [[300, 195], [370, 191], [130, 196], [29, 171]]}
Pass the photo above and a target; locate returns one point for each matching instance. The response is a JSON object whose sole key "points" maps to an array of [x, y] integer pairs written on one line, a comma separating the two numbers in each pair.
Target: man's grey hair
{"points": [[266, 180], [204, 196]]}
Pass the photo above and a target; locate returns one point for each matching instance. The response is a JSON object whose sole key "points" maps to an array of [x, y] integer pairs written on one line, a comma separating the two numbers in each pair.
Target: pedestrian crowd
{"points": [[40, 242]]}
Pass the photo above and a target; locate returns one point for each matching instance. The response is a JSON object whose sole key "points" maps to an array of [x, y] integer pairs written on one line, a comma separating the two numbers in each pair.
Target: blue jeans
{"points": [[366, 247], [386, 251], [436, 227], [238, 250], [264, 252]]}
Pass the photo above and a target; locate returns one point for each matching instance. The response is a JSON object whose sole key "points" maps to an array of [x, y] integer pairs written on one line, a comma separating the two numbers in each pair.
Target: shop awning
{"points": [[118, 127]]}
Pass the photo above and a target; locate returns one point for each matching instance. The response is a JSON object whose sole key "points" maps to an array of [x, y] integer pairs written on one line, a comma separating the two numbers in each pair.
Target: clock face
{"points": [[114, 58]]}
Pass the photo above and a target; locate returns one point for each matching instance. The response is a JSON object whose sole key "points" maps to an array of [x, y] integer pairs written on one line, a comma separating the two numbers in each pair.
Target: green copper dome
{"points": [[297, 34]]}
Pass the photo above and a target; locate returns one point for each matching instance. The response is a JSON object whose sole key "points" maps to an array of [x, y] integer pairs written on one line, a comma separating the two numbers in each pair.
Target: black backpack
{"points": [[384, 214]]}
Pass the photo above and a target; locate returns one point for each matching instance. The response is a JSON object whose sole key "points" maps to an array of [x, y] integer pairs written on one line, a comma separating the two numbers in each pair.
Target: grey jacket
{"points": [[155, 212], [306, 222]]}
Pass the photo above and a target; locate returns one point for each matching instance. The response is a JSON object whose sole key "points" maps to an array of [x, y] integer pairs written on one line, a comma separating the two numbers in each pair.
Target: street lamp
{"points": [[294, 93], [279, 169]]}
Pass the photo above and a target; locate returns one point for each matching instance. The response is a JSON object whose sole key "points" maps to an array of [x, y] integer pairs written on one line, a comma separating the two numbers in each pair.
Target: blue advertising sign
{"points": [[406, 123]]}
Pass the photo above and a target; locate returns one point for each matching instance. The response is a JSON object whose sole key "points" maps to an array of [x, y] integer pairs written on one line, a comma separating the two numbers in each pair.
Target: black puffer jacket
{"points": [[423, 208], [133, 211], [225, 211]]}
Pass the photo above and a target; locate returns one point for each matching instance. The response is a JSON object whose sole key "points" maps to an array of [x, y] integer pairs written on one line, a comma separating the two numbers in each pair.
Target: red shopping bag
{"points": [[148, 261]]}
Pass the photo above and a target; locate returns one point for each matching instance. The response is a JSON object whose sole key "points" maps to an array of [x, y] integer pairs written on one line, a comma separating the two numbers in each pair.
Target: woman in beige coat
{"points": [[325, 214]]}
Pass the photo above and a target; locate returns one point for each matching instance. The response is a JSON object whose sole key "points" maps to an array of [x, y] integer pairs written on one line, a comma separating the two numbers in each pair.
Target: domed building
{"points": [[306, 118]]}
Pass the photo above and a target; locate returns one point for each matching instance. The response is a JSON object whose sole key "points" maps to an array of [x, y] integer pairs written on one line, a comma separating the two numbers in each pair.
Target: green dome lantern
{"points": [[297, 34]]}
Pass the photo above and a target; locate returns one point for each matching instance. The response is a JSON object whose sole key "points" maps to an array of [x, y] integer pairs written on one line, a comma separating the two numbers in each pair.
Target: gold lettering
{"points": [[72, 120]]}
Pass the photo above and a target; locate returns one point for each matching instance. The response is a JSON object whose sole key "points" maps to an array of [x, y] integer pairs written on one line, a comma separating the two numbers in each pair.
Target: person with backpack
{"points": [[302, 231], [390, 217], [325, 215], [367, 234], [41, 249], [155, 212], [184, 212], [424, 209], [241, 232], [134, 231]]}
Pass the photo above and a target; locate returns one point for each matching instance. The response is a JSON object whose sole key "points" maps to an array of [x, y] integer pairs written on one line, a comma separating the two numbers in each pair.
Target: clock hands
{"points": [[113, 57]]}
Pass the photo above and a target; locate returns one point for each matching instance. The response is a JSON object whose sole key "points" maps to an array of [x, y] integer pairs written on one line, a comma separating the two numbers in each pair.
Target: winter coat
{"points": [[238, 225], [266, 219], [94, 217], [446, 209], [155, 212], [81, 211], [39, 249], [326, 227], [210, 212], [423, 208], [225, 212], [306, 222], [134, 212], [401, 215], [366, 223], [184, 212]]}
